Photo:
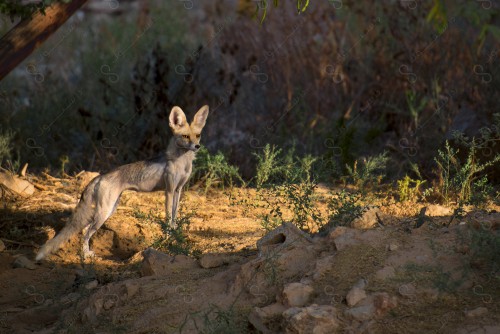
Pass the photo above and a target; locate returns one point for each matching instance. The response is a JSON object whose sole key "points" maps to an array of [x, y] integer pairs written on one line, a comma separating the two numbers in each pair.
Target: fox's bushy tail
{"points": [[82, 216]]}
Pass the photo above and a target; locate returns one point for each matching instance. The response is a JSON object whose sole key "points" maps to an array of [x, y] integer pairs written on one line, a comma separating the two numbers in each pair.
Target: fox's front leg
{"points": [[175, 208], [169, 199]]}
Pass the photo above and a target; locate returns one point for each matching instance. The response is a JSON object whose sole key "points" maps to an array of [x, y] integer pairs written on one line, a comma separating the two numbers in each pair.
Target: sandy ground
{"points": [[51, 297]]}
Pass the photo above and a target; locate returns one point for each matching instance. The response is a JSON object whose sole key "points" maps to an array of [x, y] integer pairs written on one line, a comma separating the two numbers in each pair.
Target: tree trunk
{"points": [[30, 33]]}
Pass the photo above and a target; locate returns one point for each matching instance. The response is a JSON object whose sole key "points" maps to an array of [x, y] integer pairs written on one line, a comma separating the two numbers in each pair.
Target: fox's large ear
{"points": [[177, 118], [200, 118]]}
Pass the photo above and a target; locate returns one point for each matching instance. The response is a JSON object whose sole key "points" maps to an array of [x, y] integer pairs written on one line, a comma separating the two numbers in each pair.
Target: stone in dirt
{"points": [[91, 285], [436, 210], [393, 246], [296, 294], [374, 305], [477, 312], [23, 262], [158, 263], [368, 219], [357, 293], [282, 236], [260, 317], [361, 313], [17, 185], [346, 239], [213, 260], [317, 319], [323, 266]]}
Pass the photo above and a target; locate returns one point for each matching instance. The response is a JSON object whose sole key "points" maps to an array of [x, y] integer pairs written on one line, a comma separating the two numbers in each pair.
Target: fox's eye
{"points": [[185, 136], [198, 136]]}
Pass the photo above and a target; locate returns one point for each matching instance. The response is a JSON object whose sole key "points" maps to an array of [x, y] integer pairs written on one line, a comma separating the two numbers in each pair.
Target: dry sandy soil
{"points": [[432, 279]]}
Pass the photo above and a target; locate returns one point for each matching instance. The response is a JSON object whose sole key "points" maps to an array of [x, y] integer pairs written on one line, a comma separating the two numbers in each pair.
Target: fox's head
{"points": [[187, 136]]}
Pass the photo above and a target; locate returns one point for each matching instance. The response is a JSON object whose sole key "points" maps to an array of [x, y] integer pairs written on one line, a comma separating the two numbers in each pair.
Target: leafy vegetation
{"points": [[174, 240], [343, 208], [214, 171], [409, 189]]}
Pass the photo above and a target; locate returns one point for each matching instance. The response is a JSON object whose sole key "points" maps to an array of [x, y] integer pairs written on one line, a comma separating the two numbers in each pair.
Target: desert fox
{"points": [[169, 172]]}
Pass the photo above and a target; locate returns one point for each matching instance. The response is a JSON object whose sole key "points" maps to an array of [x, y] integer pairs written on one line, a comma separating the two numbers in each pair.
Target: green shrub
{"points": [[270, 167], [214, 170], [368, 171], [173, 240], [343, 208], [296, 193], [464, 181], [409, 189]]}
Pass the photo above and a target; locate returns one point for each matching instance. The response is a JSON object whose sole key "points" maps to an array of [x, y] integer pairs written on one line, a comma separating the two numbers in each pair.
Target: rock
{"points": [[91, 312], [361, 313], [296, 294], [129, 289], [368, 219], [15, 184], [260, 317], [158, 263], [91, 285], [436, 210], [385, 273], [212, 260], [282, 236], [477, 312], [317, 319], [374, 305], [2, 246], [349, 238], [23, 262], [384, 302], [337, 232], [356, 294], [69, 298], [323, 266], [393, 246]]}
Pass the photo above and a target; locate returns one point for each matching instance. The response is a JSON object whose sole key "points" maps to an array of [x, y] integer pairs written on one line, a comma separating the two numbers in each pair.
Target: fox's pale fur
{"points": [[169, 172]]}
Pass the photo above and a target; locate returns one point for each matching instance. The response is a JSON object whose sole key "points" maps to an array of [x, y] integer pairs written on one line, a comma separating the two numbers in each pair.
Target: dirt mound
{"points": [[395, 278]]}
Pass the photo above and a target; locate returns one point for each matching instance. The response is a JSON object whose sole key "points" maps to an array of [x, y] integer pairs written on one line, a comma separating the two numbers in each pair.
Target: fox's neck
{"points": [[174, 151]]}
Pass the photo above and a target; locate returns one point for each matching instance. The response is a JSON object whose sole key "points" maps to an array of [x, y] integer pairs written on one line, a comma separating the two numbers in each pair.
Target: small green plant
{"points": [[219, 321], [459, 180], [295, 193], [369, 171], [174, 240], [485, 250], [409, 189], [343, 208], [481, 192], [6, 148], [270, 167], [64, 160], [214, 170], [415, 105]]}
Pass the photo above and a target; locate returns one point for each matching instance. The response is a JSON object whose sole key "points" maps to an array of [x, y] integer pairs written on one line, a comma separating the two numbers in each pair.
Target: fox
{"points": [[168, 172]]}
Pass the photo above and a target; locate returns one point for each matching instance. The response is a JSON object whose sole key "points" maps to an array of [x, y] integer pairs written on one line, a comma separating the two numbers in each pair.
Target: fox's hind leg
{"points": [[107, 202]]}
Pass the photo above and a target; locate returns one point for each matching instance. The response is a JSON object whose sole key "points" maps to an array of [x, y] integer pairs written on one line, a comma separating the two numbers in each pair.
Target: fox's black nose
{"points": [[196, 146]]}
